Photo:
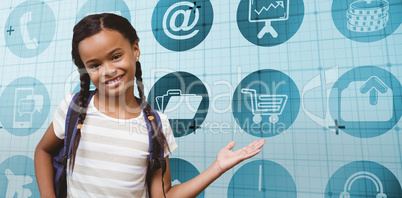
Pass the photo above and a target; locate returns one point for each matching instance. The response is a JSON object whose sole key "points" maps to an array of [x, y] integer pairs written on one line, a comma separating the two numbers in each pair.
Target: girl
{"points": [[110, 151]]}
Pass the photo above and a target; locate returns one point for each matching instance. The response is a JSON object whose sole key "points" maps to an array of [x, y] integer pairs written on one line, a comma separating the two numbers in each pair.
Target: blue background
{"points": [[317, 56]]}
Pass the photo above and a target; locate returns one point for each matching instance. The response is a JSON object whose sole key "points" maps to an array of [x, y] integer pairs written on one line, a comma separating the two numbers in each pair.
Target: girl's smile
{"points": [[114, 81]]}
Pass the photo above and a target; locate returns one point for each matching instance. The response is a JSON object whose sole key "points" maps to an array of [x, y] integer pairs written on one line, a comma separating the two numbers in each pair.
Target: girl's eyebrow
{"points": [[108, 54]]}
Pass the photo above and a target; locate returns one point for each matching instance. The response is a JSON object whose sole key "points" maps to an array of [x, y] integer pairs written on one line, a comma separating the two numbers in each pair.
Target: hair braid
{"points": [[83, 105], [140, 85], [156, 129], [147, 108]]}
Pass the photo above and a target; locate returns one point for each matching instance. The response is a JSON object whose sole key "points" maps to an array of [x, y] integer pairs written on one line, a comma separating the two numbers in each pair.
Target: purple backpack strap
{"points": [[148, 124], [60, 160]]}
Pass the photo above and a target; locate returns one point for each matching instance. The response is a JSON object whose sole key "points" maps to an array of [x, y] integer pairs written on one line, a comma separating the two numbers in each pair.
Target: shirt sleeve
{"points": [[59, 117], [167, 130]]}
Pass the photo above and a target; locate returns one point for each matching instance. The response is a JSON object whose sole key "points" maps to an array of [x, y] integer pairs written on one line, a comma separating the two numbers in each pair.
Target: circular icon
{"points": [[182, 171], [180, 25], [266, 103], [25, 106], [366, 101], [262, 178], [363, 179], [269, 23], [30, 29], [118, 7], [17, 177], [183, 98], [367, 20]]}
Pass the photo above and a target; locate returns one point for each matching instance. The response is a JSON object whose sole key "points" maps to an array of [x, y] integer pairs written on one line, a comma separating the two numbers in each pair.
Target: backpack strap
{"points": [[155, 161], [70, 131], [73, 122], [150, 138], [160, 161]]}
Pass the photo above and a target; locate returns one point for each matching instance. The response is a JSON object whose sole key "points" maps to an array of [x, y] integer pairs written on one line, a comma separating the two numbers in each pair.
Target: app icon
{"points": [[363, 179], [363, 175], [180, 25], [30, 29], [269, 22], [183, 98], [366, 101], [366, 20], [367, 15], [266, 103], [25, 106], [179, 106], [265, 11], [17, 178], [16, 185], [361, 97]]}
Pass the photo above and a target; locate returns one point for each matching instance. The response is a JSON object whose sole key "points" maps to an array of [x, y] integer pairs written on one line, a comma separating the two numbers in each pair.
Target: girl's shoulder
{"points": [[164, 118]]}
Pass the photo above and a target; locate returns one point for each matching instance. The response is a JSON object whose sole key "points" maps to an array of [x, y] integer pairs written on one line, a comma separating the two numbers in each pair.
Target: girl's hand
{"points": [[226, 158]]}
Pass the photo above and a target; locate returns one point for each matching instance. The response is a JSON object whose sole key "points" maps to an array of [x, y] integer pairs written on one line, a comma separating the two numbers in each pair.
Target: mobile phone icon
{"points": [[24, 106], [29, 41]]}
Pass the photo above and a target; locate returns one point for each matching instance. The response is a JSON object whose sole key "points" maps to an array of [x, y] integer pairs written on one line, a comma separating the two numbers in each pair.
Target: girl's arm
{"points": [[225, 160], [43, 162]]}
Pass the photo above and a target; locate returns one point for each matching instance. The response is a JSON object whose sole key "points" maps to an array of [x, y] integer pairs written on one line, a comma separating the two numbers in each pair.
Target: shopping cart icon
{"points": [[177, 105], [266, 104]]}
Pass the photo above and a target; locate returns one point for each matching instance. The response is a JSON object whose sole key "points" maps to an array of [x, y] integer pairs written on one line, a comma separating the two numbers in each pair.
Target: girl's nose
{"points": [[110, 70]]}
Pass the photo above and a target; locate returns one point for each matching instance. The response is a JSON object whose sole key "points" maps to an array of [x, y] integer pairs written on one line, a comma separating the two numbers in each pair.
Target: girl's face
{"points": [[110, 61]]}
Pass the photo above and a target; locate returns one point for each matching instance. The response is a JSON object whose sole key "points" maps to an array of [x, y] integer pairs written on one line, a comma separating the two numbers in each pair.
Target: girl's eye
{"points": [[94, 66], [117, 56]]}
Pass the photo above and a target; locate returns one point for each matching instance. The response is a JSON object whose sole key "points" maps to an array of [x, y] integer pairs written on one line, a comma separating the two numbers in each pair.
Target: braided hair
{"points": [[91, 25]]}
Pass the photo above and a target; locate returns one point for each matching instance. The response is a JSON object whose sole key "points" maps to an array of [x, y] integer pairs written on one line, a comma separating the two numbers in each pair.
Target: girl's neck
{"points": [[124, 106]]}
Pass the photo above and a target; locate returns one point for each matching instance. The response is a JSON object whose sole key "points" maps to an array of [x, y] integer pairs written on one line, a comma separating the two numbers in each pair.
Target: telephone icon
{"points": [[30, 41]]}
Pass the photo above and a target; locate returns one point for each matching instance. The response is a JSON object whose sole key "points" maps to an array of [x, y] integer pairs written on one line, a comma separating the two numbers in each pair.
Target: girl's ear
{"points": [[136, 49]]}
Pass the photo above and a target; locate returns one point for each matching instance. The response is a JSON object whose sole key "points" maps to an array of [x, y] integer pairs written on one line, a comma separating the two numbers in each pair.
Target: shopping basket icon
{"points": [[265, 104]]}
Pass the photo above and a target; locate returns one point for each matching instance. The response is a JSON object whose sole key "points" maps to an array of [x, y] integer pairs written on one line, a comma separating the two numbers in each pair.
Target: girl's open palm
{"points": [[226, 158]]}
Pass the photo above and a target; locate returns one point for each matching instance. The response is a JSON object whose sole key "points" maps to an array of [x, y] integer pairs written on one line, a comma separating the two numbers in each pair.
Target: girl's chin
{"points": [[116, 91]]}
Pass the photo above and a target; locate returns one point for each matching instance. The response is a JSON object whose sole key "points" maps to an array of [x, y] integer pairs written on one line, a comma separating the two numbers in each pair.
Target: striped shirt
{"points": [[112, 156]]}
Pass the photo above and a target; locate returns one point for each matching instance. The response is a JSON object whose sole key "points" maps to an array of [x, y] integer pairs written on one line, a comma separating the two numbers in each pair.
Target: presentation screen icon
{"points": [[268, 11], [269, 22], [179, 106]]}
